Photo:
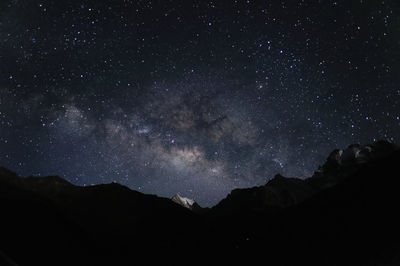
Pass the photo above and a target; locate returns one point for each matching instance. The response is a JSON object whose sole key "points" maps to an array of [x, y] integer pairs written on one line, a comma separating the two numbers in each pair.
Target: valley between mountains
{"points": [[345, 214]]}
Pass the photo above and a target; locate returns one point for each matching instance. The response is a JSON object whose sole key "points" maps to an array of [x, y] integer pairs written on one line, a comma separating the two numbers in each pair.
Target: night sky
{"points": [[195, 97]]}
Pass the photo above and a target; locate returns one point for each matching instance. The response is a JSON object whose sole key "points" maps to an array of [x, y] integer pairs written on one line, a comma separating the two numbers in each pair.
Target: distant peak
{"points": [[179, 199], [185, 202]]}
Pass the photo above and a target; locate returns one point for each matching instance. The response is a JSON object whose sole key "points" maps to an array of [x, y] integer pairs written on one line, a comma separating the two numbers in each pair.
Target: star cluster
{"points": [[196, 97]]}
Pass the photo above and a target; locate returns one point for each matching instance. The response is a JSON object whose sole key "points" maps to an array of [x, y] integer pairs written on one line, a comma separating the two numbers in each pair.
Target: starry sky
{"points": [[196, 97]]}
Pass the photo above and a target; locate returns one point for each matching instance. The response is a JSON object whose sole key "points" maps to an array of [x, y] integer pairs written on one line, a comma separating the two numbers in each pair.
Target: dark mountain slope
{"points": [[52, 215], [355, 222], [35, 231], [345, 214], [282, 192]]}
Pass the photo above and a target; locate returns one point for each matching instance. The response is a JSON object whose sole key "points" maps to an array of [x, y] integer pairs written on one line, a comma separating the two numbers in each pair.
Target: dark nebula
{"points": [[195, 97]]}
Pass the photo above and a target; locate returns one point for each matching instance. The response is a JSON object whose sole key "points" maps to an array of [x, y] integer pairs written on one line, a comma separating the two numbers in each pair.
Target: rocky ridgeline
{"points": [[282, 192]]}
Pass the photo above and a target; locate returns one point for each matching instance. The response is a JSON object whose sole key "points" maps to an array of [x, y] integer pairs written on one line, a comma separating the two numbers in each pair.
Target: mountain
{"points": [[187, 203], [282, 192], [354, 222], [47, 218], [345, 214]]}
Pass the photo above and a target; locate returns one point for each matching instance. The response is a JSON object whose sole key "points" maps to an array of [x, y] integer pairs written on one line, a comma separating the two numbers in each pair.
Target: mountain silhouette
{"points": [[345, 214], [282, 192]]}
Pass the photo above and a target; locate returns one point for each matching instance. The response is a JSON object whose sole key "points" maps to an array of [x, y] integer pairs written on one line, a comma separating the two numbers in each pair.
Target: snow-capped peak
{"points": [[185, 202]]}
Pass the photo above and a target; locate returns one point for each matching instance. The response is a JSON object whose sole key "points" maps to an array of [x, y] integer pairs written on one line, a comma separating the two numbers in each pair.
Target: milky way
{"points": [[195, 97]]}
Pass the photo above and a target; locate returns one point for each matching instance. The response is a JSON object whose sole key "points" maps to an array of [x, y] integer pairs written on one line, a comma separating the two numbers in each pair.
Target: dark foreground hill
{"points": [[345, 214]]}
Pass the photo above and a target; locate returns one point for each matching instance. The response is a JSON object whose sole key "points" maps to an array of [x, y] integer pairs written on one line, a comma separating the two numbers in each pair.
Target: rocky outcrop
{"points": [[282, 192]]}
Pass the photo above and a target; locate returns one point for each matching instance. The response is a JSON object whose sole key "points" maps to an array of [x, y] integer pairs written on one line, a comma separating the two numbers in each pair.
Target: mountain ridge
{"points": [[282, 192], [112, 224], [347, 159]]}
